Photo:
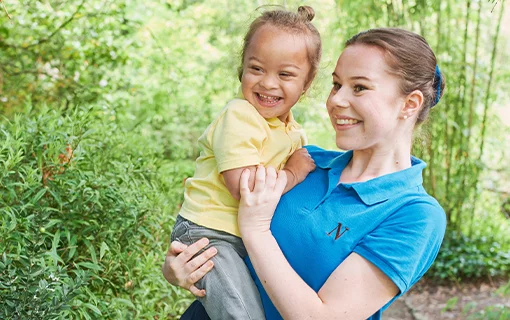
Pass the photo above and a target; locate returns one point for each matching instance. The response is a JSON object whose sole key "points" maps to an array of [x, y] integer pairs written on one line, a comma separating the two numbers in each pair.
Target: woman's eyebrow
{"points": [[353, 77]]}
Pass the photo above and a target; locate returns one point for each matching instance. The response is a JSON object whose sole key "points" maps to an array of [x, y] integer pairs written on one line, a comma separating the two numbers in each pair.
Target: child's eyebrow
{"points": [[290, 65], [254, 58], [283, 65]]}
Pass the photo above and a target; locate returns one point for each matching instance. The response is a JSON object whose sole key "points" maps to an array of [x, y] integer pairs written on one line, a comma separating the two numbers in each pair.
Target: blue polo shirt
{"points": [[390, 221]]}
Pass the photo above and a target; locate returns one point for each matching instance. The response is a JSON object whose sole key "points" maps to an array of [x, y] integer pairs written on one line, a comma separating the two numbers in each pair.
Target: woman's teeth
{"points": [[346, 121]]}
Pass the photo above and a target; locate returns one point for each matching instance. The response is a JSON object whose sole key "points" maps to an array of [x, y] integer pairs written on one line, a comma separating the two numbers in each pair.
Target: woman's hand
{"points": [[181, 269], [256, 208]]}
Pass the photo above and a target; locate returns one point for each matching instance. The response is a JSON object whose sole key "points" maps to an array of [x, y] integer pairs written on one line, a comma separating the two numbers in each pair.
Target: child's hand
{"points": [[299, 165]]}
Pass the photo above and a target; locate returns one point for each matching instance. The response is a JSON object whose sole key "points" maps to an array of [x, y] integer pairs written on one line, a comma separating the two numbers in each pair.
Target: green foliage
{"points": [[59, 51], [82, 209], [462, 257], [111, 97]]}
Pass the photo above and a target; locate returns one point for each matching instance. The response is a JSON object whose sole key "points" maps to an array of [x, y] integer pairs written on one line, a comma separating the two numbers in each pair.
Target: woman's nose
{"points": [[338, 99]]}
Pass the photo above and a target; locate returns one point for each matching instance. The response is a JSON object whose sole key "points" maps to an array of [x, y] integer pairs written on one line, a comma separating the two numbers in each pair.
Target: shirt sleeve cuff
{"points": [[384, 267], [238, 163]]}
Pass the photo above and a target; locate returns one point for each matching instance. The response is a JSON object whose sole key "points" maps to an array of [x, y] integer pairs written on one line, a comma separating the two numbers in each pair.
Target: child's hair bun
{"points": [[306, 12]]}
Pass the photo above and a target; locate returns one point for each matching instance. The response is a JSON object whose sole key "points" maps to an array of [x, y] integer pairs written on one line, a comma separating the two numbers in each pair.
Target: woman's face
{"points": [[365, 101]]}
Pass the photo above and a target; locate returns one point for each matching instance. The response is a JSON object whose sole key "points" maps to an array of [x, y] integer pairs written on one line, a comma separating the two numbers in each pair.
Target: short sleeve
{"points": [[304, 139], [238, 136], [404, 246]]}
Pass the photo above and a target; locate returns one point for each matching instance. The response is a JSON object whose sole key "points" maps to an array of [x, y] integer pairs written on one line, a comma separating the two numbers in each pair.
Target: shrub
{"points": [[81, 208], [463, 257]]}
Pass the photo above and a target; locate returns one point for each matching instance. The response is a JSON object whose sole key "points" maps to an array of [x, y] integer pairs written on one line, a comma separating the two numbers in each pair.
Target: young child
{"points": [[280, 57]]}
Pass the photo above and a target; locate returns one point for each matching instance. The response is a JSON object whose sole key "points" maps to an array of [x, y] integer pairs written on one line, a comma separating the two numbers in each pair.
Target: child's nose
{"points": [[269, 82]]}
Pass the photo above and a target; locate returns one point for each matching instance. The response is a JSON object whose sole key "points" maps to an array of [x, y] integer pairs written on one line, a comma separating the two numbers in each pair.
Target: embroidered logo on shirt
{"points": [[339, 231]]}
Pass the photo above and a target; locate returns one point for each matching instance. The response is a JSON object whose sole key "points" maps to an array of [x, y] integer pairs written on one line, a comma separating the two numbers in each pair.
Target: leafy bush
{"points": [[81, 209], [463, 257]]}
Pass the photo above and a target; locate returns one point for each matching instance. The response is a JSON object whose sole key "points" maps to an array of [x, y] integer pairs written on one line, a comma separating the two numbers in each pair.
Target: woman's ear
{"points": [[413, 104]]}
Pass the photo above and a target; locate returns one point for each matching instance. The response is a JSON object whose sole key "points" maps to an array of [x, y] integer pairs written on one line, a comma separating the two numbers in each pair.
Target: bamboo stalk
{"points": [[447, 128], [471, 115], [486, 105], [459, 118], [5, 9], [430, 142]]}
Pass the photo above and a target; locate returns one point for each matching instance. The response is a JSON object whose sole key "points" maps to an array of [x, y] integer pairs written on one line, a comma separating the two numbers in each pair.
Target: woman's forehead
{"points": [[362, 61]]}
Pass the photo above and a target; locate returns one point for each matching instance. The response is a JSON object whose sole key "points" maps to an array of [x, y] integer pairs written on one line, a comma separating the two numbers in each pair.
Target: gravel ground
{"points": [[427, 301]]}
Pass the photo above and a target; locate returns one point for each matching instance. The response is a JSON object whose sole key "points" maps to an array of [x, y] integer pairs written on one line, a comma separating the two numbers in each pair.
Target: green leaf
{"points": [[450, 304], [124, 301], [72, 248], [39, 195], [56, 197], [104, 248], [53, 253], [93, 308], [90, 265], [92, 251]]}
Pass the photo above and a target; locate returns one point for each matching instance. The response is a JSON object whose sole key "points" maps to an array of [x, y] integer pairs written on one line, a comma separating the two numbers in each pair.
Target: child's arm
{"points": [[232, 177], [299, 165]]}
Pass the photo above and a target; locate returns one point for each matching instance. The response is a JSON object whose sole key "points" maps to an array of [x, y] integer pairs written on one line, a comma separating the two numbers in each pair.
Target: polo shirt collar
{"points": [[381, 188]]}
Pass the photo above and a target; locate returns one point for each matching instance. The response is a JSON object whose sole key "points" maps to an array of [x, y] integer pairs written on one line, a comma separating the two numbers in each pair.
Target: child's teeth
{"points": [[346, 121], [268, 98]]}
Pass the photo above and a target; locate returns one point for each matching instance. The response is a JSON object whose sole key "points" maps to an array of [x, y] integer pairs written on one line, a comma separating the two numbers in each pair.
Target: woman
{"points": [[360, 230]]}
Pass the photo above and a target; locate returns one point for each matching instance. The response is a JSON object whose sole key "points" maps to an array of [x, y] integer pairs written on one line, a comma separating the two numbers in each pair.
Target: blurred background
{"points": [[101, 104]]}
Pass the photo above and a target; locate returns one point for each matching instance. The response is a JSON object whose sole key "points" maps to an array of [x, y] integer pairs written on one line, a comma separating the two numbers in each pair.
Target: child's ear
{"points": [[307, 86], [413, 104]]}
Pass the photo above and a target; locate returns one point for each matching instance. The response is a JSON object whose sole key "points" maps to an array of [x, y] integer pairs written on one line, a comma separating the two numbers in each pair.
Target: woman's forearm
{"points": [[293, 298]]}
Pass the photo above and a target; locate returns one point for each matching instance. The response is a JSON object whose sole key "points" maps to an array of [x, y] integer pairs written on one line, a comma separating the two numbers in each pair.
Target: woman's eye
{"points": [[336, 86], [359, 88]]}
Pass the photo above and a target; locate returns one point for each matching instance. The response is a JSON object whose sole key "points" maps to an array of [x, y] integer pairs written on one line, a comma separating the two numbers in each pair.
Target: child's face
{"points": [[275, 71]]}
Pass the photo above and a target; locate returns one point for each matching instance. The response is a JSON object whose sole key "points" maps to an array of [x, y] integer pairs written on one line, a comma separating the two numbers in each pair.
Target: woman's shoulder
{"points": [[424, 211]]}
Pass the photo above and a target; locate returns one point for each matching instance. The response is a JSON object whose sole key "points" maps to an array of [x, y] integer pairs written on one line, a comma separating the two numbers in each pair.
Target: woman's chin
{"points": [[343, 144]]}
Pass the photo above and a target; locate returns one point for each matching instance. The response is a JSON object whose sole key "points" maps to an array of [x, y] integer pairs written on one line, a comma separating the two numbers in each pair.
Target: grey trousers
{"points": [[230, 290]]}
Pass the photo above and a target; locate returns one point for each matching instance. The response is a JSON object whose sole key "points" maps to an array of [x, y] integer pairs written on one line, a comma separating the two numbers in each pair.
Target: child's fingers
{"points": [[244, 185], [260, 179], [281, 182], [270, 178]]}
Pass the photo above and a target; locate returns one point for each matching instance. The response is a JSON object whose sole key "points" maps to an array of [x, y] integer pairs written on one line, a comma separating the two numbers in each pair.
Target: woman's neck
{"points": [[369, 164]]}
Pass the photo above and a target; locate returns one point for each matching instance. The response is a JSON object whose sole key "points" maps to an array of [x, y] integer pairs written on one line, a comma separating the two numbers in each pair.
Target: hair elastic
{"points": [[437, 80]]}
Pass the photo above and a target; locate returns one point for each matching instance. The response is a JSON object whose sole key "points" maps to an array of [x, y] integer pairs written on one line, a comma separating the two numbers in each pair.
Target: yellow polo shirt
{"points": [[238, 137]]}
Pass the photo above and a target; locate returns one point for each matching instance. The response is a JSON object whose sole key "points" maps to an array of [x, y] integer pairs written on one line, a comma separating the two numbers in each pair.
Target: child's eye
{"points": [[336, 86], [285, 74], [359, 88], [256, 68]]}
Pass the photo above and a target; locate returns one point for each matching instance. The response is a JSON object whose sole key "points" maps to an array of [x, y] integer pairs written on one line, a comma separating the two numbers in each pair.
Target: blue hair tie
{"points": [[437, 80]]}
